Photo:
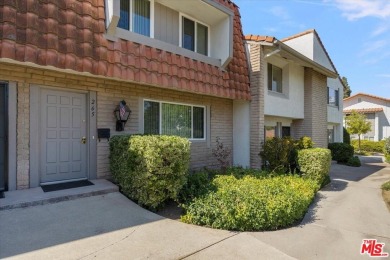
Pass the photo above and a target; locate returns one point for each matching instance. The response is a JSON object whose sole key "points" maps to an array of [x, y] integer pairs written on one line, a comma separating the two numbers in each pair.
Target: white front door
{"points": [[63, 135]]}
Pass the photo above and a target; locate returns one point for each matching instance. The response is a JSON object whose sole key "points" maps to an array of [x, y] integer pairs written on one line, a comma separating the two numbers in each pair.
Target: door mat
{"points": [[66, 185]]}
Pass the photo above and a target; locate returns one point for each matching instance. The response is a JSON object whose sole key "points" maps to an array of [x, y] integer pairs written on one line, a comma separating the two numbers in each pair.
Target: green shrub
{"points": [[240, 172], [305, 143], [198, 184], [386, 146], [354, 162], [369, 146], [387, 158], [346, 136], [386, 186], [314, 164], [341, 152], [150, 169], [252, 204], [279, 154]]}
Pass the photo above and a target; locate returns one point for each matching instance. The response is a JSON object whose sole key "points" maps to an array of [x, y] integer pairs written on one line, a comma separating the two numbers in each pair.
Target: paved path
{"points": [[112, 227], [346, 212]]}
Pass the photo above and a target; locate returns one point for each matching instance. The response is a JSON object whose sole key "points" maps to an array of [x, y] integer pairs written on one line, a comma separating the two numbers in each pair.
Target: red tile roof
{"points": [[70, 35], [259, 38], [367, 95], [363, 110]]}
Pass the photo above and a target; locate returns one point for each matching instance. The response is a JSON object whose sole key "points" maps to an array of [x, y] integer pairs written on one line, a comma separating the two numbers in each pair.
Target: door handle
{"points": [[84, 140]]}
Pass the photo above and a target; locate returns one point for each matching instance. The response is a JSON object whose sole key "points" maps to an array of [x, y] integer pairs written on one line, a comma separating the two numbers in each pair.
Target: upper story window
{"points": [[275, 78], [135, 16], [333, 97], [194, 36], [174, 119]]}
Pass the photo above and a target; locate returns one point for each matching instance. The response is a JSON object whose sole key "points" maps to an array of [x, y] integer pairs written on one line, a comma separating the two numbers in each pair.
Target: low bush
{"points": [[304, 143], [387, 158], [346, 136], [150, 169], [315, 164], [252, 204], [240, 172], [341, 152], [369, 146], [386, 146], [198, 184], [386, 186], [354, 162], [278, 154]]}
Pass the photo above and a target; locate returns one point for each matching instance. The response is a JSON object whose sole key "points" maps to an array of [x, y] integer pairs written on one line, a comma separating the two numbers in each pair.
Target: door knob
{"points": [[84, 140]]}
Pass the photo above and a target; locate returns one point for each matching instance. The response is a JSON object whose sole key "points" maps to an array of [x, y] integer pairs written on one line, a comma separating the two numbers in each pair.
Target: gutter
{"points": [[312, 64]]}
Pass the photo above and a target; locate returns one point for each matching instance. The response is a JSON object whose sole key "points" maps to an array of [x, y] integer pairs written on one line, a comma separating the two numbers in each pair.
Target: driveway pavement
{"points": [[110, 226]]}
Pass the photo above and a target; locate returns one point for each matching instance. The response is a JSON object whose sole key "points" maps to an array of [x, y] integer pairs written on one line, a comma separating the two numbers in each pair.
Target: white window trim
{"points": [[181, 15], [151, 26], [283, 87], [177, 103]]}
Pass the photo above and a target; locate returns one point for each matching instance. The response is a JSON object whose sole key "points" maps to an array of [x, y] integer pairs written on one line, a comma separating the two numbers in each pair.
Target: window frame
{"points": [[151, 19], [270, 80], [181, 104], [336, 94], [196, 21]]}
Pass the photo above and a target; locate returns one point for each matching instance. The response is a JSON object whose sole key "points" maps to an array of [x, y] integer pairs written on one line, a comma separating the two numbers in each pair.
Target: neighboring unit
{"points": [[309, 44], [65, 65], [289, 94], [377, 112]]}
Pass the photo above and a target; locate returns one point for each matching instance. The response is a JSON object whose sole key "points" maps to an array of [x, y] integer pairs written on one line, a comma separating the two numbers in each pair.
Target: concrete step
{"points": [[36, 196]]}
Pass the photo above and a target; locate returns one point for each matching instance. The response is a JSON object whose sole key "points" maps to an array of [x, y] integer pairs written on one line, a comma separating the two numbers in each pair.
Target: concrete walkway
{"points": [[109, 226]]}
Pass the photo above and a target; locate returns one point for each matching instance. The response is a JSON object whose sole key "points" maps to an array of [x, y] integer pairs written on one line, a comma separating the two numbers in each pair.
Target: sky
{"points": [[356, 34]]}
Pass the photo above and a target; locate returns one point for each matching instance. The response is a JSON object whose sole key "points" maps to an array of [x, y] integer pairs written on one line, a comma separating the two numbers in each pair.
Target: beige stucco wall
{"points": [[109, 93]]}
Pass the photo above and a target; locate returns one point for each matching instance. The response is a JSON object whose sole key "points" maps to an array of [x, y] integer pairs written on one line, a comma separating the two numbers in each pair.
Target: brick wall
{"points": [[315, 110], [109, 93], [257, 103]]}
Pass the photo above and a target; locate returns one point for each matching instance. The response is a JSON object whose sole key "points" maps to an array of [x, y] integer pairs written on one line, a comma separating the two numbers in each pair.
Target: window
{"points": [[274, 78], [135, 16], [174, 119], [276, 131], [270, 131], [331, 136], [194, 36], [286, 131], [333, 97]]}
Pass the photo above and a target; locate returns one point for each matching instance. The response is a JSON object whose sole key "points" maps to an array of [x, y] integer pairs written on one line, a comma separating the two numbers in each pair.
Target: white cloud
{"points": [[356, 9], [380, 30], [375, 46], [383, 75]]}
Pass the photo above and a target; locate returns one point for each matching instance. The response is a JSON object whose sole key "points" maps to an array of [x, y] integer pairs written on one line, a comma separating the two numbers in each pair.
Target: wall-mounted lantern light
{"points": [[122, 113]]}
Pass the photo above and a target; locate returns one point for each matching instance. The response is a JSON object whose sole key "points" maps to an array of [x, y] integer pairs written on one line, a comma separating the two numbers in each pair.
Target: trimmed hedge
{"points": [[346, 136], [369, 146], [315, 164], [252, 204], [150, 169], [341, 152], [354, 162], [280, 154]]}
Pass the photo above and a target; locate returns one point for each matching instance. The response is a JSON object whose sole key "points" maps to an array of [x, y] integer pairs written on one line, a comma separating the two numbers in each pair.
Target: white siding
{"points": [[290, 103]]}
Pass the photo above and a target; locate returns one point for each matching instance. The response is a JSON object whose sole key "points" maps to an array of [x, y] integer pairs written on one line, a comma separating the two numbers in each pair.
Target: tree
{"points": [[347, 88], [356, 124]]}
